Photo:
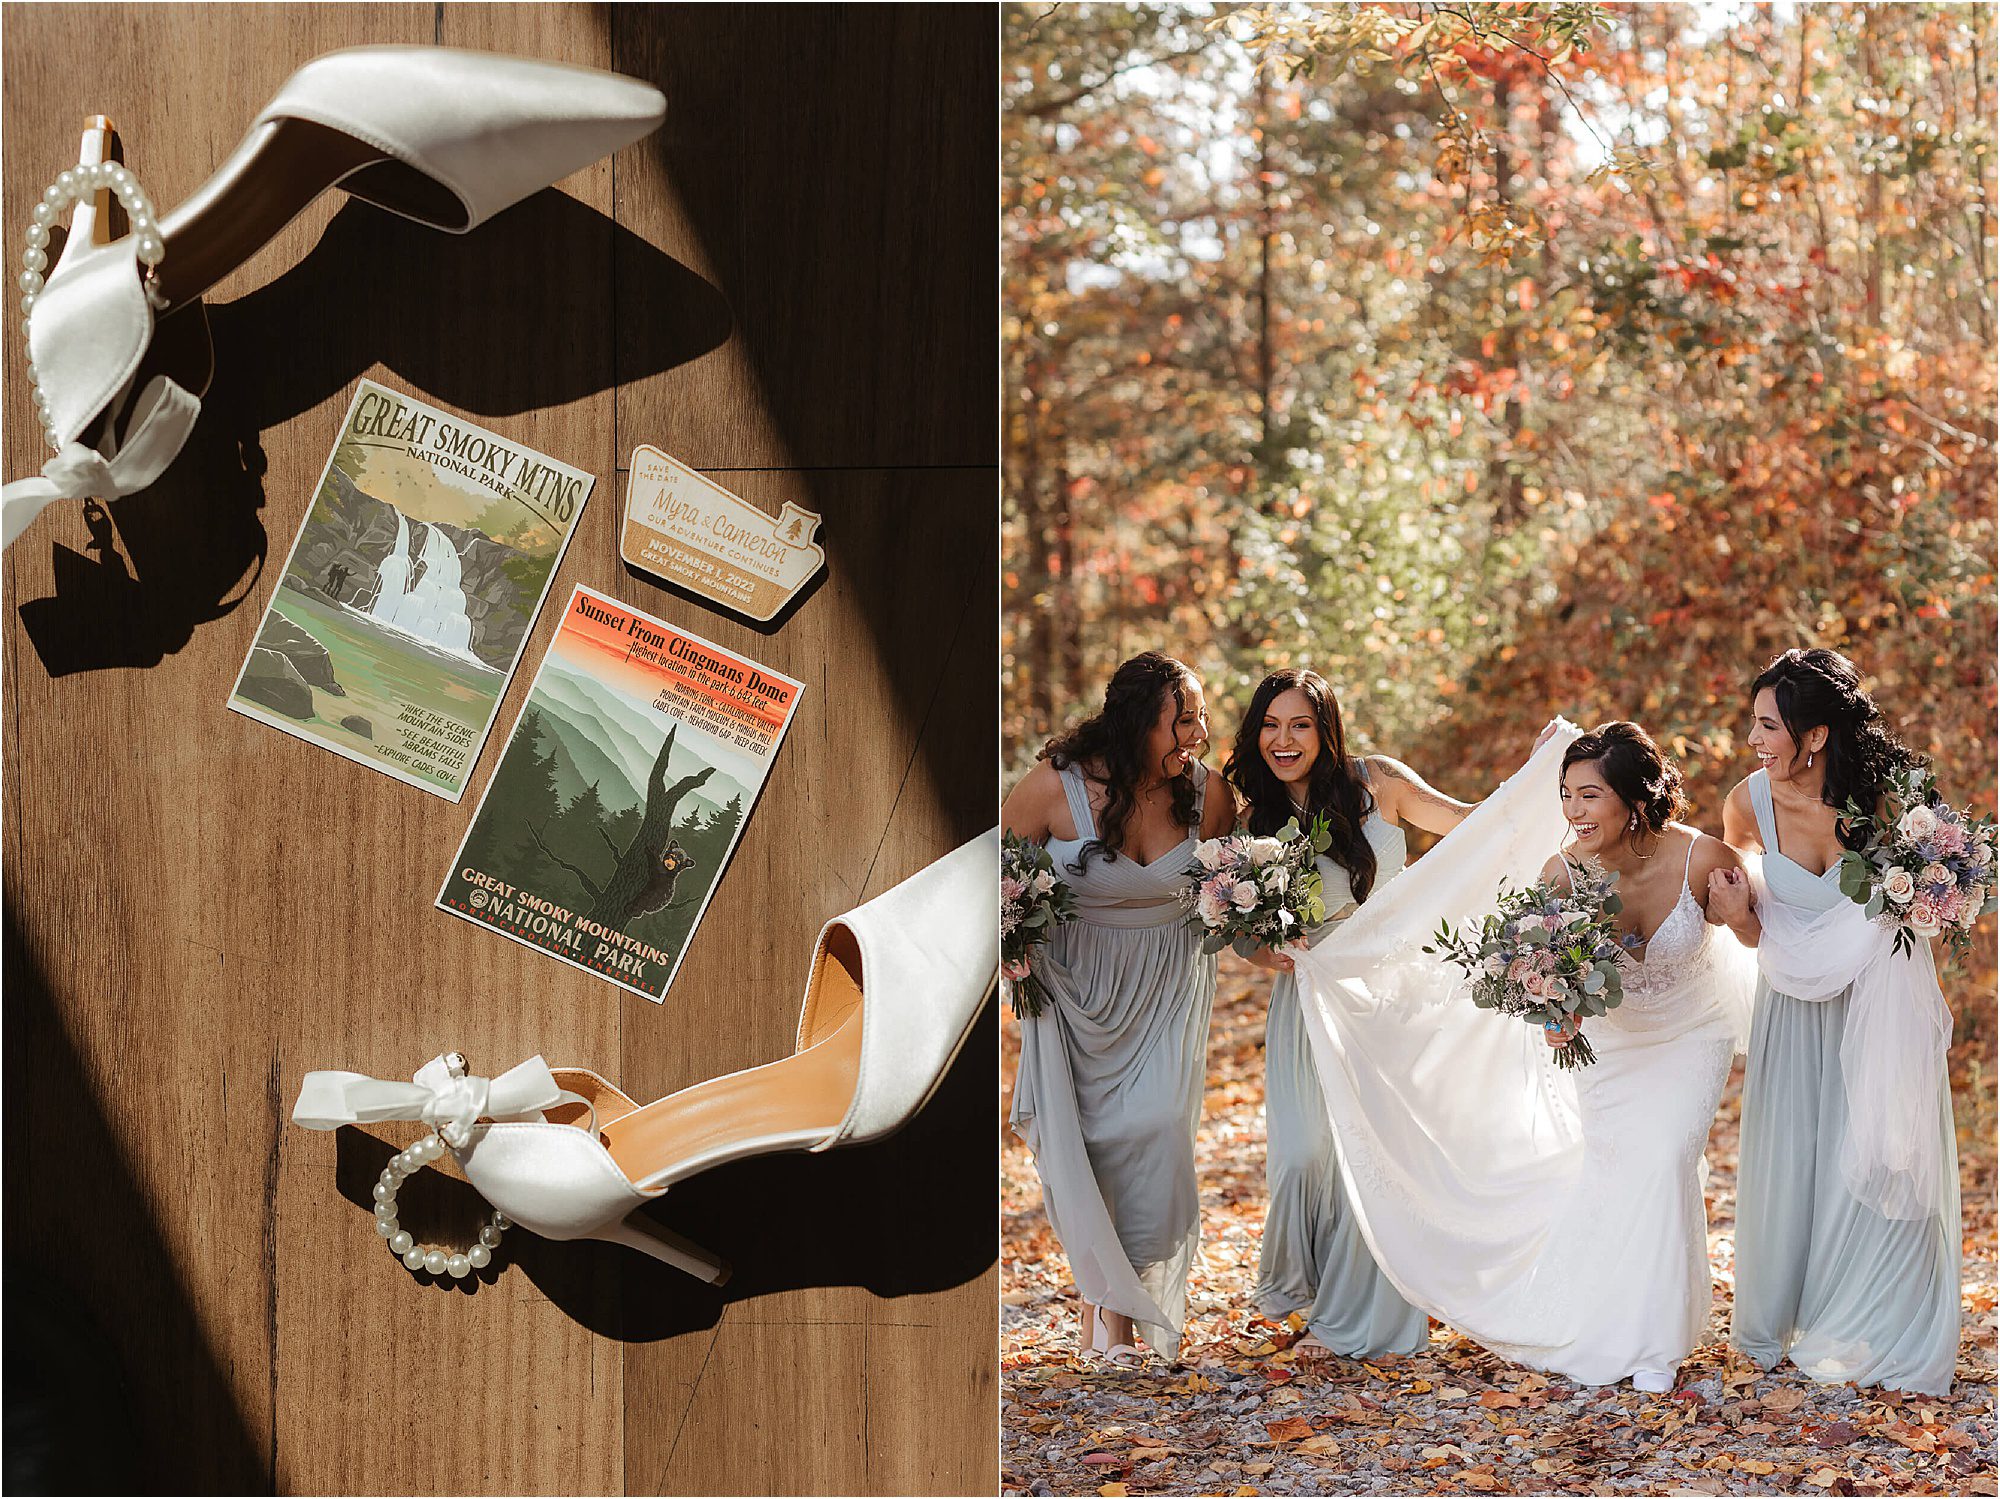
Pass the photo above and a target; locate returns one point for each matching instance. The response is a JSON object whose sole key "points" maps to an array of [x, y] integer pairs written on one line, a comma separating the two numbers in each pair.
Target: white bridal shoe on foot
{"points": [[1106, 1354], [894, 988], [445, 137]]}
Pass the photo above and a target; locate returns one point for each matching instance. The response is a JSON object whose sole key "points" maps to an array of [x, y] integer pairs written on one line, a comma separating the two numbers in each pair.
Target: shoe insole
{"points": [[805, 1093]]}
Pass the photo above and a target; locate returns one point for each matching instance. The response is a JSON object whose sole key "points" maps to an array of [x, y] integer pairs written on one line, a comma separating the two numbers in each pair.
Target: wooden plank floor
{"points": [[791, 286]]}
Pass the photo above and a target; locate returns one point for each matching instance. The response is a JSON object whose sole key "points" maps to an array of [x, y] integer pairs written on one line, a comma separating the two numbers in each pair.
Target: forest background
{"points": [[1499, 361]]}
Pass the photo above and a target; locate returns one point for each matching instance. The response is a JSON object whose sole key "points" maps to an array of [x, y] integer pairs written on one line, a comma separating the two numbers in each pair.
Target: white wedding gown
{"points": [[1555, 1217]]}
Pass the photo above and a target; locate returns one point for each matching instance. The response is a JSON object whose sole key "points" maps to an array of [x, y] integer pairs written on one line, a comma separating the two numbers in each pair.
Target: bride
{"points": [[1555, 1217]]}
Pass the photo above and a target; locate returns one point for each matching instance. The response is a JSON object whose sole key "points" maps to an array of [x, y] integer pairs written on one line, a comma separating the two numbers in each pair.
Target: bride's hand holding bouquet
{"points": [[1547, 956]]}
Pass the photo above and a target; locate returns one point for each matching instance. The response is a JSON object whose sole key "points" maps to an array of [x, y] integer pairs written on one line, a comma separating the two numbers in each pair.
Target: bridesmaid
{"points": [[1290, 760], [1109, 1091], [1822, 1277]]}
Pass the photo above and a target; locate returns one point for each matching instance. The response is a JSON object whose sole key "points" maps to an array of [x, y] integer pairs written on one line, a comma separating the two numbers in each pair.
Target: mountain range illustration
{"points": [[604, 739]]}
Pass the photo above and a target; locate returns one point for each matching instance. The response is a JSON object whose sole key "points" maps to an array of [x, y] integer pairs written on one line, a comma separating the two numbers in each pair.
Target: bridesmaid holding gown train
{"points": [[1110, 1083], [1290, 760], [1850, 1270]]}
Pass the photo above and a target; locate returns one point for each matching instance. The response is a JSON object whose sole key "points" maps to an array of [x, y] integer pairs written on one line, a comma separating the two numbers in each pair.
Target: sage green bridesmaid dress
{"points": [[1822, 1279], [1109, 1090], [1314, 1259]]}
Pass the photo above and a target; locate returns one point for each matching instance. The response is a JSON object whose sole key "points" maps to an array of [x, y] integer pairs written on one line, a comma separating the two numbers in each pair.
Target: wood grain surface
{"points": [[792, 287]]}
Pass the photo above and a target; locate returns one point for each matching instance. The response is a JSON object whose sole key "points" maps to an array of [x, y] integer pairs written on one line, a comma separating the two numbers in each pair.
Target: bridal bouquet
{"points": [[1547, 956], [1033, 903], [1926, 869], [1264, 890]]}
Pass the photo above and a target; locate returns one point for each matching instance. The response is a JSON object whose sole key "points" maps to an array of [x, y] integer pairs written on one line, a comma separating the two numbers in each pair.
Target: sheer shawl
{"points": [[1892, 1048]]}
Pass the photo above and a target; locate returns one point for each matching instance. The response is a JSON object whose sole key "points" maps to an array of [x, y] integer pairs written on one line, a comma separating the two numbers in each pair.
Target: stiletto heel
{"points": [[98, 220], [641, 1233], [893, 990], [444, 137]]}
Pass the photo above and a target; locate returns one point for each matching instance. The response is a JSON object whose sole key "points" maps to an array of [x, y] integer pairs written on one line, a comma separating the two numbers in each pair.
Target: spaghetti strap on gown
{"points": [[1313, 1259], [1821, 1278], [1109, 1090]]}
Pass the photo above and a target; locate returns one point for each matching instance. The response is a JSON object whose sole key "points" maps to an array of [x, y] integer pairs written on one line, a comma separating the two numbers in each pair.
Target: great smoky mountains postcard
{"points": [[621, 794], [410, 591]]}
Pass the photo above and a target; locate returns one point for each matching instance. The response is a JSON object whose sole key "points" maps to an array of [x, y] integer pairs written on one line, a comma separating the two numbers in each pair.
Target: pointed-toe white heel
{"points": [[445, 137], [892, 993]]}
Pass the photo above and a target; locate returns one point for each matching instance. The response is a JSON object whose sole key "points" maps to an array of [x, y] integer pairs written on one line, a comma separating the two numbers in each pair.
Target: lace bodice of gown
{"points": [[1668, 984]]}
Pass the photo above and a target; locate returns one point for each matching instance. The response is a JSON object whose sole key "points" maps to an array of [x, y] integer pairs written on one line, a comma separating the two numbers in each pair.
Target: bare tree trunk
{"points": [[1874, 267], [1264, 261], [1504, 470], [1982, 219], [1037, 652], [1821, 240], [1066, 617]]}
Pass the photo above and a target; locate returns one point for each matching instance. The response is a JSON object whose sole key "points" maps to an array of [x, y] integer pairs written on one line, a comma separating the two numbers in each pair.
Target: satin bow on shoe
{"points": [[161, 421], [448, 1102]]}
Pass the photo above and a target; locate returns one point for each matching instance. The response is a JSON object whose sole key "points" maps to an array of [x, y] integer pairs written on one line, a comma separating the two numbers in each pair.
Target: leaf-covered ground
{"points": [[1238, 1416]]}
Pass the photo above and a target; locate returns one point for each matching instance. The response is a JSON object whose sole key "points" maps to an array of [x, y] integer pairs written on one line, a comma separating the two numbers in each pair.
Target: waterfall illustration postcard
{"points": [[621, 793], [410, 591]]}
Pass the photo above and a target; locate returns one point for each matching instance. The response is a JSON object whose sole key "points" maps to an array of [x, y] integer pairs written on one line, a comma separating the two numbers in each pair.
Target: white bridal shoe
{"points": [[445, 137], [894, 988], [1100, 1352]]}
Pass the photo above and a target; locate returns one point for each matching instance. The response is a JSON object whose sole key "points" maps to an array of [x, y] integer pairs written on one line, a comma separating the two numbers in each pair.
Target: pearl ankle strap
{"points": [[70, 188]]}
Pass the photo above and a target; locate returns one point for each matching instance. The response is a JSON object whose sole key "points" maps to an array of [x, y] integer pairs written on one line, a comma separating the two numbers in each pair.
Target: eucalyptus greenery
{"points": [[1034, 901], [1548, 956]]}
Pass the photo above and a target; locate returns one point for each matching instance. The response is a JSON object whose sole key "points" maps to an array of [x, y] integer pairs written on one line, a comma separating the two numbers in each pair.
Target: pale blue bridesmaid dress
{"points": [[1844, 1292], [1109, 1090], [1314, 1259]]}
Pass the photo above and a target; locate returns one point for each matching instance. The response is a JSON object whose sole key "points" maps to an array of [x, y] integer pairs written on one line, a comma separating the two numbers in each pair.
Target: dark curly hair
{"points": [[1819, 688], [1113, 739], [1635, 770], [1332, 786]]}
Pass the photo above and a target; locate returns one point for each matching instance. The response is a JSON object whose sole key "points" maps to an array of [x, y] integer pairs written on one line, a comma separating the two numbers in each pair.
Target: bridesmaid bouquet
{"points": [[1926, 869], [1547, 956], [1262, 890], [1033, 903]]}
